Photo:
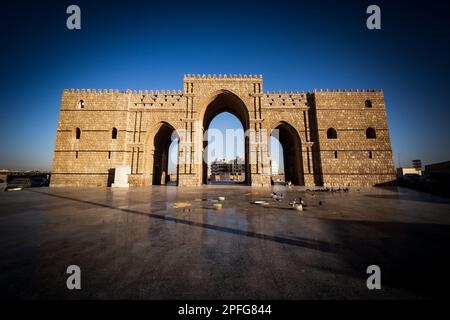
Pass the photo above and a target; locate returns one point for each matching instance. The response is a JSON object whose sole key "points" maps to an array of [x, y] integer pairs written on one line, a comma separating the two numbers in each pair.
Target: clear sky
{"points": [[295, 45]]}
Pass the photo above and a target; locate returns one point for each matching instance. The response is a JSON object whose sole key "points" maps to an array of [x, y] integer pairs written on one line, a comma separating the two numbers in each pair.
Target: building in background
{"points": [[228, 170], [439, 172], [238, 169], [403, 172], [417, 164], [434, 179], [415, 170], [274, 168]]}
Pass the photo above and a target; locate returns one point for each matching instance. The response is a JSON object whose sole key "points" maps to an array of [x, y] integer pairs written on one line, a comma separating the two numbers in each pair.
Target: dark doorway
{"points": [[292, 153], [111, 175], [162, 142]]}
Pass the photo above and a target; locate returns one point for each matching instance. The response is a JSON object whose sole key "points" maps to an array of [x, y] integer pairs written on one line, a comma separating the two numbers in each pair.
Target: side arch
{"points": [[289, 139], [156, 153]]}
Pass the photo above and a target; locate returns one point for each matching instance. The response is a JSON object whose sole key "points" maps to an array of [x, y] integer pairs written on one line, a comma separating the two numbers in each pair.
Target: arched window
{"points": [[331, 134], [114, 133], [370, 155], [370, 133], [368, 104], [78, 134], [80, 104], [335, 155]]}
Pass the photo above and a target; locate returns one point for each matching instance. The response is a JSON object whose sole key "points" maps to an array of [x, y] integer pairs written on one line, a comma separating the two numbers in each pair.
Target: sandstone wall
{"points": [[352, 158], [139, 115]]}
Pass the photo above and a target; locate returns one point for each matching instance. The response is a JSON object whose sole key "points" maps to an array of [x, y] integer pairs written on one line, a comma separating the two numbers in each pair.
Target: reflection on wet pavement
{"points": [[169, 242]]}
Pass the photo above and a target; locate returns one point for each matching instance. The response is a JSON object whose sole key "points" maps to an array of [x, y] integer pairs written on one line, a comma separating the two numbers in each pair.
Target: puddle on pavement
{"points": [[177, 205]]}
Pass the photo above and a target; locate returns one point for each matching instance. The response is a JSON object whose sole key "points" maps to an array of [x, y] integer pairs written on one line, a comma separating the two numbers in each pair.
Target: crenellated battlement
{"points": [[93, 91], [128, 91], [189, 77], [223, 77], [347, 90], [285, 93], [157, 92]]}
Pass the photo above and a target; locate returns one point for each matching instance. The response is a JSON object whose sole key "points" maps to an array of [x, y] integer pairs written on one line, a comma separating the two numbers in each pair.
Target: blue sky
{"points": [[294, 45]]}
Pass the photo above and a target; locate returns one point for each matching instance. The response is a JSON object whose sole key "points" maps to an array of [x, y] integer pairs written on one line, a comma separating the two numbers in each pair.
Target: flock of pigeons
{"points": [[346, 189], [297, 204]]}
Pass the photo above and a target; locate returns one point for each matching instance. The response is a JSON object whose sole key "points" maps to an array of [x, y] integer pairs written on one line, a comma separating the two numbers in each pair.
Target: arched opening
{"points": [[371, 133], [232, 141], [80, 104], [172, 167], [78, 133], [292, 153], [163, 148], [331, 133], [368, 104], [276, 160], [114, 133], [225, 152]]}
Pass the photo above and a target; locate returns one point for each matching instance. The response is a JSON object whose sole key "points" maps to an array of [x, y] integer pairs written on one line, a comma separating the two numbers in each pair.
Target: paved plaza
{"points": [[169, 243]]}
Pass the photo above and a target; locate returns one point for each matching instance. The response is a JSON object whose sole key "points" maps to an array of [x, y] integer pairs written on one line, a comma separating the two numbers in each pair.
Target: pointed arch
{"points": [[157, 144], [225, 101], [290, 140]]}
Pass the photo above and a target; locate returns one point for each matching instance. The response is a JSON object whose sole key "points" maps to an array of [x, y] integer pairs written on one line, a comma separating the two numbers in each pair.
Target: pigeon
{"points": [[274, 195], [279, 198], [296, 205]]}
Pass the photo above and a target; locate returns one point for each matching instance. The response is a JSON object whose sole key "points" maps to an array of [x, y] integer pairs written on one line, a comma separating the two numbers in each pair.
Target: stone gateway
{"points": [[332, 138]]}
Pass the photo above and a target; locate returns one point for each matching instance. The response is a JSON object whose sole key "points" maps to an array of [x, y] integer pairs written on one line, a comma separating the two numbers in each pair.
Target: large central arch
{"points": [[226, 101]]}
